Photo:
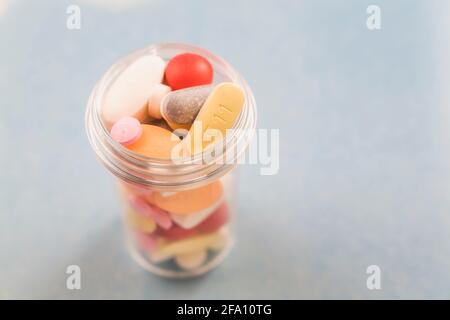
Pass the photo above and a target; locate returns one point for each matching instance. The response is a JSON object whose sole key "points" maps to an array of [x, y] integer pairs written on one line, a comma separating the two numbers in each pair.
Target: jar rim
{"points": [[146, 171]]}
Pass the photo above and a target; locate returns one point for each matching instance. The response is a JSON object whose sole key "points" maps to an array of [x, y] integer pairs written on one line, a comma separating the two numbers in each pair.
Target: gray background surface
{"points": [[364, 148]]}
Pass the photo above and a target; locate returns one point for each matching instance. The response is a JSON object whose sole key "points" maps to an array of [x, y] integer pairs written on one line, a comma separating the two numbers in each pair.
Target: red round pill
{"points": [[188, 70]]}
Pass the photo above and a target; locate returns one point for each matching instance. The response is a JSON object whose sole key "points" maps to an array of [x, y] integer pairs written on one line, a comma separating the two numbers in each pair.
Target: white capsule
{"points": [[156, 93]]}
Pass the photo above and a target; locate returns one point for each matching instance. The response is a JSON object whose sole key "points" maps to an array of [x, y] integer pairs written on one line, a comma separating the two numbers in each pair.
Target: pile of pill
{"points": [[143, 110]]}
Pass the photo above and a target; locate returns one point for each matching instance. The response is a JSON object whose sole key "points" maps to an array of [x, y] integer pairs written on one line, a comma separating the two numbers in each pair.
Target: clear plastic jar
{"points": [[193, 243]]}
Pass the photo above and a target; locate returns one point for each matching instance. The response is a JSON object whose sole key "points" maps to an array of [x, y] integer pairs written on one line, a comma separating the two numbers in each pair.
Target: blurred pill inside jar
{"points": [[149, 120]]}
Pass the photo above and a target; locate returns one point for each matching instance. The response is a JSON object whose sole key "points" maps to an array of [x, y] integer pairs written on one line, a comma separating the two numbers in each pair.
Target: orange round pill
{"points": [[190, 201], [155, 142]]}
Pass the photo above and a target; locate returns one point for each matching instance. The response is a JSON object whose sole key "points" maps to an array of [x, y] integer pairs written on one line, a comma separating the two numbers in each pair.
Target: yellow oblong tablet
{"points": [[218, 113], [137, 221], [189, 245], [190, 261]]}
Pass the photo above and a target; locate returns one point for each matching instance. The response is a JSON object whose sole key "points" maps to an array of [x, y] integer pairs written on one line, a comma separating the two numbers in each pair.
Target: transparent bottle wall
{"points": [[183, 233], [177, 216]]}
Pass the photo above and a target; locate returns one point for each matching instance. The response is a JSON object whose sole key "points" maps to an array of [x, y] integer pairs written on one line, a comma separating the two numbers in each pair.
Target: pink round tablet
{"points": [[126, 131]]}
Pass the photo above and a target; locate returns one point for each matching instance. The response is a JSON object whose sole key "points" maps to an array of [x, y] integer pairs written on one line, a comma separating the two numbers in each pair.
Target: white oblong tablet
{"points": [[192, 260], [128, 95]]}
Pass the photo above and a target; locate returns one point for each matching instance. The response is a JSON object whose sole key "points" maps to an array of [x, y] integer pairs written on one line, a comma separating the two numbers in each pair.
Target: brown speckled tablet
{"points": [[182, 106]]}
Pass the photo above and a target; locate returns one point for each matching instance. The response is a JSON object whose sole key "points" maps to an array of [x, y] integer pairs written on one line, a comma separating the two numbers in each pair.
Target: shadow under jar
{"points": [[189, 244]]}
